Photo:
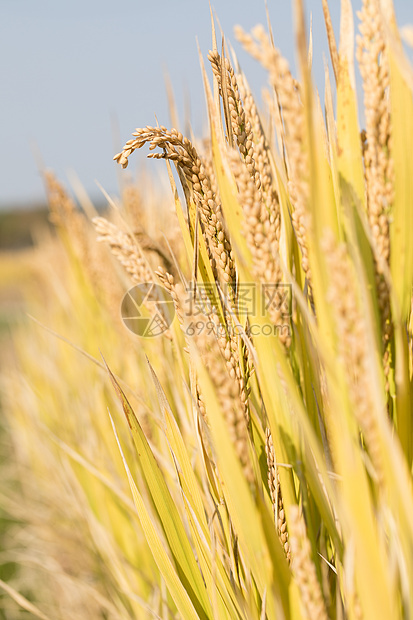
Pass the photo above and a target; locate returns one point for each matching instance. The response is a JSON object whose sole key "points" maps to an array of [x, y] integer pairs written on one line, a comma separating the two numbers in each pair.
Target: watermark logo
{"points": [[147, 310], [252, 299]]}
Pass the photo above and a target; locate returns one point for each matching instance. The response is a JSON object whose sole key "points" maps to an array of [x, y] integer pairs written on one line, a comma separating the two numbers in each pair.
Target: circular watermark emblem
{"points": [[147, 310]]}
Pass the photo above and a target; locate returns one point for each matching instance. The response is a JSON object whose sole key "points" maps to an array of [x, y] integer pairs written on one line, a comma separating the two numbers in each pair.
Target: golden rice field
{"points": [[232, 439]]}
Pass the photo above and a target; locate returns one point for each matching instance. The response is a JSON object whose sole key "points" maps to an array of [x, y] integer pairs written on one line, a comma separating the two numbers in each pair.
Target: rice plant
{"points": [[260, 351]]}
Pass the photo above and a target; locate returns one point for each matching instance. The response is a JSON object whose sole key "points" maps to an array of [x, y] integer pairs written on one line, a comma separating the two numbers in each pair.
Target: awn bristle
{"points": [[180, 150], [168, 281], [231, 371], [303, 567], [153, 250], [222, 363], [262, 156], [331, 39], [238, 368], [149, 241], [378, 163], [292, 111], [241, 127], [125, 248], [80, 238], [276, 496], [132, 202], [208, 164], [261, 235], [237, 365], [352, 344], [63, 214], [254, 178], [371, 55]]}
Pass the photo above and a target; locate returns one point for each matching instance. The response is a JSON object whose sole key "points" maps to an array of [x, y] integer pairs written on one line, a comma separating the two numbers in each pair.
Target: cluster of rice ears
{"points": [[265, 469]]}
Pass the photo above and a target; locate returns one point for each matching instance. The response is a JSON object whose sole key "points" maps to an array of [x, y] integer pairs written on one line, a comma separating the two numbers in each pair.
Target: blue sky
{"points": [[72, 71]]}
